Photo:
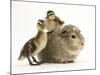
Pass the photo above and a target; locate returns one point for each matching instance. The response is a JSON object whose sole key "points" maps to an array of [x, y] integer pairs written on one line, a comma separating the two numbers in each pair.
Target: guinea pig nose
{"points": [[82, 43], [73, 36]]}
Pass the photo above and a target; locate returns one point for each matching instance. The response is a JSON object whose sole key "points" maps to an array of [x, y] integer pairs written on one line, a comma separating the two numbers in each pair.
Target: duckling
{"points": [[35, 45], [52, 21]]}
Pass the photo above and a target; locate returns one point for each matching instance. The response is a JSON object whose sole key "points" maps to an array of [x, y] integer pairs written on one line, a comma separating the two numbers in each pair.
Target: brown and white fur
{"points": [[35, 45]]}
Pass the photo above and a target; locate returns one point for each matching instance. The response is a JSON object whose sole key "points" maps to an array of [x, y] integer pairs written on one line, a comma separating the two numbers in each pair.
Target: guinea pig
{"points": [[63, 46]]}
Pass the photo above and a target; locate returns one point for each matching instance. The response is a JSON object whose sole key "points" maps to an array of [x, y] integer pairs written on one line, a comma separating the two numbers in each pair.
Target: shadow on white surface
{"points": [[49, 67]]}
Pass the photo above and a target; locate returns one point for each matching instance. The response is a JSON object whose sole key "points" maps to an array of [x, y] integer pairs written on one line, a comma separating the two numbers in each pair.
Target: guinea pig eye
{"points": [[73, 36]]}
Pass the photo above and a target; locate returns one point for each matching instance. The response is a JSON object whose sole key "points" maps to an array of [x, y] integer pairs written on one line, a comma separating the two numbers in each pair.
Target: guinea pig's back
{"points": [[55, 51]]}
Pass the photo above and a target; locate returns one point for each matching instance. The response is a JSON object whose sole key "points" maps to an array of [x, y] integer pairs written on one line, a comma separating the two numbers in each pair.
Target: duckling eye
{"points": [[38, 23]]}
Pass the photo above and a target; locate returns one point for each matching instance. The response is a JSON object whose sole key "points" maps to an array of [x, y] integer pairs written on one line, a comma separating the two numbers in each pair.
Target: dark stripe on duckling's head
{"points": [[40, 22]]}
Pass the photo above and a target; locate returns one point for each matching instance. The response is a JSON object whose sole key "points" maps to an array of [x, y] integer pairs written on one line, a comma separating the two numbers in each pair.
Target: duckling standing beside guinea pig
{"points": [[35, 45], [63, 45]]}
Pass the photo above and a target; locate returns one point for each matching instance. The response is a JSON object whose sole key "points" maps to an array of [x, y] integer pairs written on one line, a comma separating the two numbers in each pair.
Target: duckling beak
{"points": [[45, 30]]}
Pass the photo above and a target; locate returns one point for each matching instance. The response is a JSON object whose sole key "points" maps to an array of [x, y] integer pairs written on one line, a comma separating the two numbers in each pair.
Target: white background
{"points": [[5, 31], [24, 19]]}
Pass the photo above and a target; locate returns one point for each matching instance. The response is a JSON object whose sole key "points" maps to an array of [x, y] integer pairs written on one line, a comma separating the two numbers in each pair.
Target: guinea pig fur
{"points": [[63, 46]]}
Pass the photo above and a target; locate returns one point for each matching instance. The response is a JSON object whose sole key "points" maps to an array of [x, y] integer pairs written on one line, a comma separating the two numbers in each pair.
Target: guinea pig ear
{"points": [[63, 32]]}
